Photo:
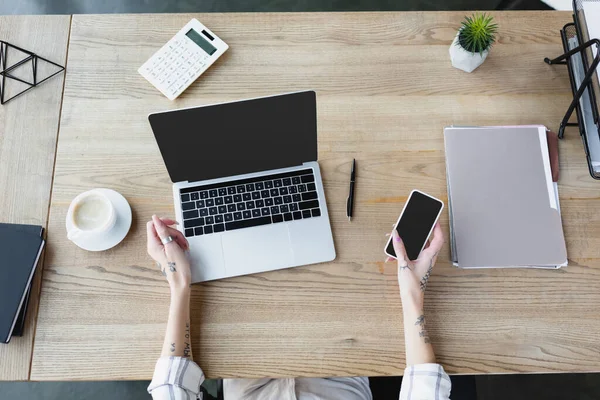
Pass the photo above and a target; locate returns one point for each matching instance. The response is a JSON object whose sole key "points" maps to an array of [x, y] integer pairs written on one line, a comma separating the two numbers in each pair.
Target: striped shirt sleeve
{"points": [[176, 378], [425, 382]]}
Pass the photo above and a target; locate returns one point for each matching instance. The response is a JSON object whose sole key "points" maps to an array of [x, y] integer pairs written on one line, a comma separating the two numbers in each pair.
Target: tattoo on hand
{"points": [[425, 278], [162, 270], [172, 266], [172, 347]]}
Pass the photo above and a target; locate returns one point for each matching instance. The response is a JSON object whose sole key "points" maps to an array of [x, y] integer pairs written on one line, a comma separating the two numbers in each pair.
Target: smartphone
{"points": [[416, 222]]}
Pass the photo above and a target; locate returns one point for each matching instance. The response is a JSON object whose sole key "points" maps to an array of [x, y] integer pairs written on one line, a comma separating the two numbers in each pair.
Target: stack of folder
{"points": [[21, 247], [502, 198]]}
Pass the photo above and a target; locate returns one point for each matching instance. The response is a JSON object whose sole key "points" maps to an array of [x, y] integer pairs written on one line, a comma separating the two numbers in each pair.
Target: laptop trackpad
{"points": [[263, 248]]}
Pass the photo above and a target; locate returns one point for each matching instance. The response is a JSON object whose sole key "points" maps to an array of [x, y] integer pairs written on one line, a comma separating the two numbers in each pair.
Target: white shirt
{"points": [[178, 378]]}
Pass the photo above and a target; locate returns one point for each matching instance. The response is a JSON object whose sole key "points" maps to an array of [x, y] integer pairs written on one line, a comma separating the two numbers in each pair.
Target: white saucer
{"points": [[117, 233]]}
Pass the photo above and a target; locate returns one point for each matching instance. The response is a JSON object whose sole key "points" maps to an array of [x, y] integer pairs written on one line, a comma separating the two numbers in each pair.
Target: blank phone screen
{"points": [[415, 224]]}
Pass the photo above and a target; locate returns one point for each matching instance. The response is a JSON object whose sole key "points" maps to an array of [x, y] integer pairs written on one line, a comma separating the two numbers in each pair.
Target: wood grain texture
{"points": [[28, 131], [385, 91]]}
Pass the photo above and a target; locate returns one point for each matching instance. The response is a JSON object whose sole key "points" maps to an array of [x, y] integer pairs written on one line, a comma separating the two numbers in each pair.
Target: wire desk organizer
{"points": [[7, 72], [577, 30]]}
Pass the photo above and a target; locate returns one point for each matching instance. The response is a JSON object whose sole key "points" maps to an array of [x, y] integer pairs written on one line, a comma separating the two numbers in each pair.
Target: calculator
{"points": [[183, 59]]}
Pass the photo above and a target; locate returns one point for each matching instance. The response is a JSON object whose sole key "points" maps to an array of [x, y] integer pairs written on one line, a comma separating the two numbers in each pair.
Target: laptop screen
{"points": [[236, 138]]}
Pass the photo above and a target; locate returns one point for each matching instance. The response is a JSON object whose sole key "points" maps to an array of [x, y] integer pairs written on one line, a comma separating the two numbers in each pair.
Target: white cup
{"points": [[91, 214]]}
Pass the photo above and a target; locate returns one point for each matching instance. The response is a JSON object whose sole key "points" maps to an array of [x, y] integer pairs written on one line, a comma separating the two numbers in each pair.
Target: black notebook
{"points": [[20, 325], [21, 246]]}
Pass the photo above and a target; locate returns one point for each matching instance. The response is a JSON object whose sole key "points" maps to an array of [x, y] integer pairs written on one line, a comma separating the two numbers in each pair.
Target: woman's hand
{"points": [[414, 275], [170, 257]]}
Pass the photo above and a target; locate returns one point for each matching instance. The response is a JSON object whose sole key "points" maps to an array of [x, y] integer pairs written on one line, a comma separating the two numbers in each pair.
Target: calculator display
{"points": [[201, 42]]}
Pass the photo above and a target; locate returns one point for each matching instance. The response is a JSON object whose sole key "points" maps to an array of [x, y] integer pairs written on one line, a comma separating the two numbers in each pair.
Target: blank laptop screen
{"points": [[236, 138]]}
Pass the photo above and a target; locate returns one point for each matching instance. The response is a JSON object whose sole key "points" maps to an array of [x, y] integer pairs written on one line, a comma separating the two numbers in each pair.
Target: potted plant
{"points": [[472, 43]]}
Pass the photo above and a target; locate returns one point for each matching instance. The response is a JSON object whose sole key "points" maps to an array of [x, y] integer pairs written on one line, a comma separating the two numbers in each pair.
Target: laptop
{"points": [[246, 184]]}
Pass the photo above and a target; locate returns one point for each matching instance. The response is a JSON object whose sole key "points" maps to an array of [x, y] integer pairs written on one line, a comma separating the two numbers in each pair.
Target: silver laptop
{"points": [[246, 184]]}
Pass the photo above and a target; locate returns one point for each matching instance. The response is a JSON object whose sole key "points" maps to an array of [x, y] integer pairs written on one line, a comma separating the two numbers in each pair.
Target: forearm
{"points": [[418, 346], [178, 338]]}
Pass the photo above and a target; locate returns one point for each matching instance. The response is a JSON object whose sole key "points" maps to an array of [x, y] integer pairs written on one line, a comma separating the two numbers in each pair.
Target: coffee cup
{"points": [[91, 214]]}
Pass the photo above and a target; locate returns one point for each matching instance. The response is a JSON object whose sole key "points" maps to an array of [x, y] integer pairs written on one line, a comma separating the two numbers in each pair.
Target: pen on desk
{"points": [[350, 201]]}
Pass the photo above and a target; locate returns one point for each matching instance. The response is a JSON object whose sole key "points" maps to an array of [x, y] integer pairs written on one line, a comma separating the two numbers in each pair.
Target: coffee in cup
{"points": [[91, 214]]}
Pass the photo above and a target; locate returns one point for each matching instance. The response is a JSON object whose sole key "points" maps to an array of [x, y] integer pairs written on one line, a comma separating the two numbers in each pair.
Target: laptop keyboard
{"points": [[249, 202]]}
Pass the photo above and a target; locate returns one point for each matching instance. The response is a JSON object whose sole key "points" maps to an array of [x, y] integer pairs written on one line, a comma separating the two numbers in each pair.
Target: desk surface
{"points": [[28, 131], [385, 91]]}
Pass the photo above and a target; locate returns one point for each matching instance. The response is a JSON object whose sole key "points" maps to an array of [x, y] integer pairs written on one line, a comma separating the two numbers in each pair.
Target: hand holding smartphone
{"points": [[416, 222]]}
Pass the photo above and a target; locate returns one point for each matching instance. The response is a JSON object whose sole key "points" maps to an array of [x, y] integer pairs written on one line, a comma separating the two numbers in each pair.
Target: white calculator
{"points": [[183, 59]]}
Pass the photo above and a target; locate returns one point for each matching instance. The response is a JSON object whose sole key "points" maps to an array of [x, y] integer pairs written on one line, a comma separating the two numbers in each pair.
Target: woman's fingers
{"points": [[169, 221], [437, 241], [438, 238], [164, 231], [427, 244], [161, 229], [399, 248], [153, 239], [179, 238]]}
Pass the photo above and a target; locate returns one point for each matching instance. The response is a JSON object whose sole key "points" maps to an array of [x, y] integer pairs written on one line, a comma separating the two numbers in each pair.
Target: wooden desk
{"points": [[28, 131], [385, 91]]}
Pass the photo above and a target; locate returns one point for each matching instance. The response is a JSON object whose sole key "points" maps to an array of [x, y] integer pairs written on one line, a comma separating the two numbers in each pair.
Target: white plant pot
{"points": [[463, 59]]}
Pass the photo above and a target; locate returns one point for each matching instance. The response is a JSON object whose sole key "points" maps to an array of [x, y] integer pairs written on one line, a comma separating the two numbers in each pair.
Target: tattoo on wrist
{"points": [[420, 320], [187, 349], [423, 333], [172, 347], [425, 278], [172, 266]]}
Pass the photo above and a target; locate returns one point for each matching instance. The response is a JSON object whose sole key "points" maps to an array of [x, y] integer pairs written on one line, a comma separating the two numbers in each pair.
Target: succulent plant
{"points": [[477, 33]]}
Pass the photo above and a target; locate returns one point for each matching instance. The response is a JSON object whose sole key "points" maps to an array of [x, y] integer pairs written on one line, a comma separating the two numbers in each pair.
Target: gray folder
{"points": [[502, 201]]}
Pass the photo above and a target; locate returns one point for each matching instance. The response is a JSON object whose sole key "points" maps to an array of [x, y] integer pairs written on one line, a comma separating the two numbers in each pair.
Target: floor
{"points": [[495, 387]]}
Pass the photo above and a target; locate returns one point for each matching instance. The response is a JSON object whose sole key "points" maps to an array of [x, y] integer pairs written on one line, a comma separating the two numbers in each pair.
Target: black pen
{"points": [[350, 201]]}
